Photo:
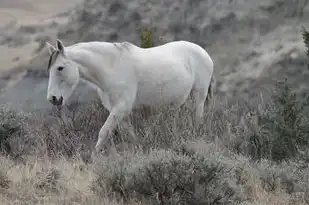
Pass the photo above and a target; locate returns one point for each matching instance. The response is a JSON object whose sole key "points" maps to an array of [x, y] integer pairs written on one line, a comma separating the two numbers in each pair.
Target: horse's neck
{"points": [[88, 69]]}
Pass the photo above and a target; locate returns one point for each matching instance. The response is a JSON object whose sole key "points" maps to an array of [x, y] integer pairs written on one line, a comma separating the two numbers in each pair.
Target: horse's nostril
{"points": [[53, 100], [60, 100]]}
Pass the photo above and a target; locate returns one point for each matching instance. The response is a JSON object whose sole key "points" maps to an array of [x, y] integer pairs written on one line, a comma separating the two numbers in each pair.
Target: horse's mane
{"points": [[120, 47], [123, 46]]}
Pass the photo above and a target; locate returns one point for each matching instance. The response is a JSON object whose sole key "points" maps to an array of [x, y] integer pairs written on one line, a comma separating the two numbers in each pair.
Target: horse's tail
{"points": [[211, 87]]}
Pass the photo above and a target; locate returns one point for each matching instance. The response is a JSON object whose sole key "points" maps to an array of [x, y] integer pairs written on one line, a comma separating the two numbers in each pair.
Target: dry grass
{"points": [[45, 160], [37, 182], [75, 181]]}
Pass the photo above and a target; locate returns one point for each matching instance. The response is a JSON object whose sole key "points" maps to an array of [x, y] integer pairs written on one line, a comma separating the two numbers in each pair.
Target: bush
{"points": [[146, 38], [165, 177], [12, 126], [284, 127], [305, 35]]}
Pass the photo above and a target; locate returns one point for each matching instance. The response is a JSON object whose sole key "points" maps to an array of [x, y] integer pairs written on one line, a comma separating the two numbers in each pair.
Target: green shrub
{"points": [[146, 38], [305, 35], [284, 129], [291, 123]]}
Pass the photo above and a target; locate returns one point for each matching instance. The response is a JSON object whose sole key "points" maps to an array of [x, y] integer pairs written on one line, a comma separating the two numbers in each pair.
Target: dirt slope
{"points": [[18, 19]]}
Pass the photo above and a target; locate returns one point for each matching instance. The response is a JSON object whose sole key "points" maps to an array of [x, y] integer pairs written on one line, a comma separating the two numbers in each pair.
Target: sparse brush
{"points": [[164, 177]]}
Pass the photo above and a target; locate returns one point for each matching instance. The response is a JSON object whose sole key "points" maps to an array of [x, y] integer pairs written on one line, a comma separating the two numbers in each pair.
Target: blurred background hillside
{"points": [[253, 43]]}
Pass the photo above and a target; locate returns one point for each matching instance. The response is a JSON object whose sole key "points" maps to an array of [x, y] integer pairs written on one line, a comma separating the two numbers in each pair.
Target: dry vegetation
{"points": [[252, 152]]}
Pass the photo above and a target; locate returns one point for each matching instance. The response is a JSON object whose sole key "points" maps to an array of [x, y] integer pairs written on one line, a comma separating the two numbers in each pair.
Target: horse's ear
{"points": [[60, 46], [50, 48]]}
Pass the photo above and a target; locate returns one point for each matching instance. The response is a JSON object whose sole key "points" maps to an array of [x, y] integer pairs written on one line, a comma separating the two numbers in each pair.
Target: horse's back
{"points": [[194, 58], [199, 59], [168, 72], [184, 51]]}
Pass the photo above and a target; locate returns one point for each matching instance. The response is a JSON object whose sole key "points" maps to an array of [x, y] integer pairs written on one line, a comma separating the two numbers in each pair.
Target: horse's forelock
{"points": [[52, 58]]}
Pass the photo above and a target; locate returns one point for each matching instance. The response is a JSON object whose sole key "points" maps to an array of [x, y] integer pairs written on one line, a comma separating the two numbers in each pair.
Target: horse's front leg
{"points": [[116, 116]]}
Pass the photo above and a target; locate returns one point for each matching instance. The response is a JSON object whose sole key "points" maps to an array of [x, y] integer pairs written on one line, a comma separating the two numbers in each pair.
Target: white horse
{"points": [[127, 76]]}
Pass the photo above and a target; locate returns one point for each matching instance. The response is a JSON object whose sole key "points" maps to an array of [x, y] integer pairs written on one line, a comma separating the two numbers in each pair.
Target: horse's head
{"points": [[63, 75]]}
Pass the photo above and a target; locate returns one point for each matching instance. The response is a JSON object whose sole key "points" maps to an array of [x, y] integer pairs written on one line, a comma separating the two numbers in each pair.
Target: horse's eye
{"points": [[60, 68]]}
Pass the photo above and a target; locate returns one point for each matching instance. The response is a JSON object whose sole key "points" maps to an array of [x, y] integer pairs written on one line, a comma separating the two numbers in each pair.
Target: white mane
{"points": [[103, 47]]}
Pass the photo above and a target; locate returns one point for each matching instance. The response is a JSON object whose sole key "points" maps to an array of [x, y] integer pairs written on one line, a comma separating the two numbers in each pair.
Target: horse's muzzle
{"points": [[56, 101]]}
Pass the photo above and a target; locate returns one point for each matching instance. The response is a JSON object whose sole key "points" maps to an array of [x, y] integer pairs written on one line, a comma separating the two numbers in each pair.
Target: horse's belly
{"points": [[164, 90]]}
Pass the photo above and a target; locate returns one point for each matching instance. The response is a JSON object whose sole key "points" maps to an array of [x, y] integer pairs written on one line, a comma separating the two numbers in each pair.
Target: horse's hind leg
{"points": [[202, 87], [199, 106], [127, 125], [199, 96]]}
